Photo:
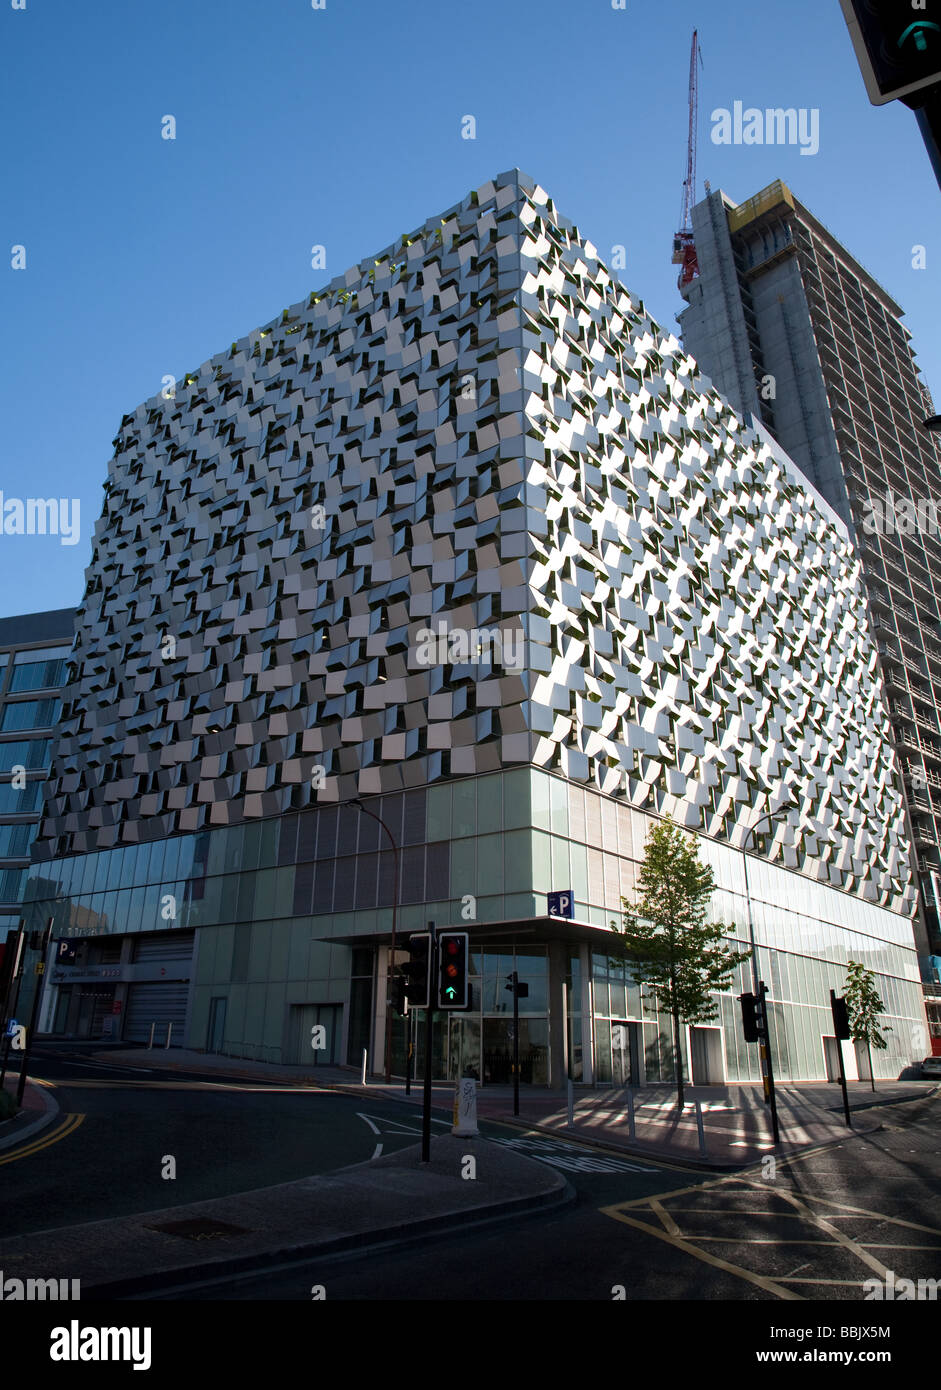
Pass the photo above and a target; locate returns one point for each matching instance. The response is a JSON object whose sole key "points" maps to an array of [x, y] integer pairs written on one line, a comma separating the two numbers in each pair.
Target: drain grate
{"points": [[200, 1228]]}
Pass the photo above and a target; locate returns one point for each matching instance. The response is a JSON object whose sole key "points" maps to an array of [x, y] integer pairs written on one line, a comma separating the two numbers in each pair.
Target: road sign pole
{"points": [[429, 1028], [9, 1008], [34, 1012]]}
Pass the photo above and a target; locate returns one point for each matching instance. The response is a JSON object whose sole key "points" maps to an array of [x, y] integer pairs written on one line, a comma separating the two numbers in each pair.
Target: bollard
{"points": [[363, 1079], [630, 1114], [465, 1108], [571, 1091], [699, 1126], [152, 1027], [169, 1035]]}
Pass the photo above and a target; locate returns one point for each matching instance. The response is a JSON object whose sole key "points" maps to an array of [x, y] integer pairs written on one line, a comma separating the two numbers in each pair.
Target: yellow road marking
{"points": [[850, 1212], [766, 1240], [876, 1245], [768, 1284], [735, 1211], [823, 1223], [843, 1283], [70, 1123], [667, 1220]]}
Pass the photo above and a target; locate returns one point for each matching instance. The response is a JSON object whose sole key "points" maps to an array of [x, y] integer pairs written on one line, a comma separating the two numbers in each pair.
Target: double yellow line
{"points": [[67, 1126]]}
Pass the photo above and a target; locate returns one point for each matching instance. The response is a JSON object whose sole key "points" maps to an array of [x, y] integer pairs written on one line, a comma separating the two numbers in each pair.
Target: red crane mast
{"points": [[684, 248]]}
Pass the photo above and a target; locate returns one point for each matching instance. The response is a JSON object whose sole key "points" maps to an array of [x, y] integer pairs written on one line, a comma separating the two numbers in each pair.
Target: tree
{"points": [[666, 938], [863, 1007]]}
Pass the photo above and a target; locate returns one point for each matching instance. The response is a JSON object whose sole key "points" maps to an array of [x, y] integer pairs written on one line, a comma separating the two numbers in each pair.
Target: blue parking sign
{"points": [[562, 904]]}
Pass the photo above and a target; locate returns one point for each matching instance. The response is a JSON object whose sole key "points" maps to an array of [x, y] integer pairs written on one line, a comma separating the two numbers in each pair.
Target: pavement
{"points": [[395, 1197], [38, 1110], [736, 1122], [389, 1199]]}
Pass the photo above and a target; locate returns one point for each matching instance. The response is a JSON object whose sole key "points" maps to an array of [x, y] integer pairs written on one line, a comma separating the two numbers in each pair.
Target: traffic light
{"points": [[452, 969], [841, 1022], [513, 985], [417, 971], [898, 46], [398, 994], [751, 1021]]}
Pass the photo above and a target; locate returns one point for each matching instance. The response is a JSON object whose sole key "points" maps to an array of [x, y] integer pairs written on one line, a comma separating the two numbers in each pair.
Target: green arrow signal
{"points": [[918, 32], [450, 990]]}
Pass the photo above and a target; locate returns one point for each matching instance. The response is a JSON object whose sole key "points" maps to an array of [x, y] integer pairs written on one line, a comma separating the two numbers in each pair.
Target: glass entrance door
{"points": [[625, 1054], [464, 1047]]}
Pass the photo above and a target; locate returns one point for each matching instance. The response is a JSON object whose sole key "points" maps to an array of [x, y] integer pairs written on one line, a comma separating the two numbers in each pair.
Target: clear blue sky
{"points": [[341, 126]]}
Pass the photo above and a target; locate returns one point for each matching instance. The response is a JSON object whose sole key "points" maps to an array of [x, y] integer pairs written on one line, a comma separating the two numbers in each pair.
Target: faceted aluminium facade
{"points": [[467, 536], [791, 327]]}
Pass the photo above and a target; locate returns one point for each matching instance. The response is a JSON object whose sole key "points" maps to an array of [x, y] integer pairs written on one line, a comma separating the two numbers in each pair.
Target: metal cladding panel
{"points": [[470, 508]]}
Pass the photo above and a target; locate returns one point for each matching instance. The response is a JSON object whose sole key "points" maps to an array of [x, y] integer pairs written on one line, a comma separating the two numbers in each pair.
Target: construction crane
{"points": [[684, 248]]}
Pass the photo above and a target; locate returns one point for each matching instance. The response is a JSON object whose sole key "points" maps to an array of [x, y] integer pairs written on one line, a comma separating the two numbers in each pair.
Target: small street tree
{"points": [[863, 1007], [666, 939]]}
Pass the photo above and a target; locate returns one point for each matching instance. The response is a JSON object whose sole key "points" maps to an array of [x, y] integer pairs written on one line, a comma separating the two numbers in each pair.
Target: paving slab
{"points": [[392, 1198]]}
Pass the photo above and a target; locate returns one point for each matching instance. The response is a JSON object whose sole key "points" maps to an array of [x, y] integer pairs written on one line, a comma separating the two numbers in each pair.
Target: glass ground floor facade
{"points": [[242, 940]]}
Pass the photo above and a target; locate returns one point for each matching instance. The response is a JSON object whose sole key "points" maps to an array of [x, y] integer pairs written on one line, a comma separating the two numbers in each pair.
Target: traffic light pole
{"points": [[429, 1027], [408, 1051], [929, 123], [767, 1065], [839, 1048], [516, 1043]]}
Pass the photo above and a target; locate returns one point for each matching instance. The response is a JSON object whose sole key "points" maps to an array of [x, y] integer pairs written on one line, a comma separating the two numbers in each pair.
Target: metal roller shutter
{"points": [[166, 945], [157, 1001]]}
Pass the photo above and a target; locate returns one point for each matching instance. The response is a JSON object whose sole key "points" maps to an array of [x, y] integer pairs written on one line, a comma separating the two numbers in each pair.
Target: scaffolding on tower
{"points": [[684, 247]]}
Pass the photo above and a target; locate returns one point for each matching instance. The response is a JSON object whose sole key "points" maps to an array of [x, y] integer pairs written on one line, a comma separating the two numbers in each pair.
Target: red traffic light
{"points": [[453, 982]]}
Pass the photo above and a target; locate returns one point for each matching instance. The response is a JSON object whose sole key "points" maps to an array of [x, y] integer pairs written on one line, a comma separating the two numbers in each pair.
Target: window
{"points": [[28, 753], [30, 714], [38, 675], [11, 884], [15, 840], [19, 800]]}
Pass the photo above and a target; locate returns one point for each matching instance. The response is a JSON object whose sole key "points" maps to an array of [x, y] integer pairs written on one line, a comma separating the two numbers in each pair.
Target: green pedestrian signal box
{"points": [[898, 45], [453, 969]]}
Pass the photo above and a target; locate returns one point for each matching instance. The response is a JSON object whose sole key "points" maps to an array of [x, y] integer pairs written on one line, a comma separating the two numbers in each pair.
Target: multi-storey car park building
{"points": [[468, 537], [791, 327]]}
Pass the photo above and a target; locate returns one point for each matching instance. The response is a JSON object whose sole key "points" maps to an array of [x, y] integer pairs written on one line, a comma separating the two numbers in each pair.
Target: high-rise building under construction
{"points": [[792, 329]]}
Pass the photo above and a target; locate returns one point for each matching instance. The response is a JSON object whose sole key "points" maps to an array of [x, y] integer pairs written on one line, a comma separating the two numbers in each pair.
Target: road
{"points": [[225, 1137], [813, 1227]]}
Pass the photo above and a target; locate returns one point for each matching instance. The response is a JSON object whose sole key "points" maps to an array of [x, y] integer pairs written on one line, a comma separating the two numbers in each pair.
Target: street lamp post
{"points": [[751, 923], [761, 993], [395, 902]]}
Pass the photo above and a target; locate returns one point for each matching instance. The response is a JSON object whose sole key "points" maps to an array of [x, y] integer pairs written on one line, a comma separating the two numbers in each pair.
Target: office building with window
{"points": [[34, 654], [465, 540], [793, 329]]}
